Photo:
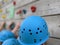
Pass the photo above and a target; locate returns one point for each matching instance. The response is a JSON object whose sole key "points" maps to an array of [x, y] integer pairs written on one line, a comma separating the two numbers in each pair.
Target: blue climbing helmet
{"points": [[6, 34], [33, 31], [11, 41]]}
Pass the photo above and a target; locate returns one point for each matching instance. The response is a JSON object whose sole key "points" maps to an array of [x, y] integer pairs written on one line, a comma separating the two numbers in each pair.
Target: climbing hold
{"points": [[5, 1], [24, 11], [1, 10], [12, 26], [11, 11], [19, 12], [33, 9], [3, 16], [14, 3]]}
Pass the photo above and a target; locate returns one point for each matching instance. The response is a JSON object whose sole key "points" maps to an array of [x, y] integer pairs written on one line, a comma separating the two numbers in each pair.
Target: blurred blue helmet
{"points": [[33, 31], [11, 41], [6, 34]]}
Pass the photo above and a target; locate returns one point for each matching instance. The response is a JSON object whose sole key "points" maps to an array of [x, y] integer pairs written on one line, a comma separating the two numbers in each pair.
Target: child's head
{"points": [[33, 31]]}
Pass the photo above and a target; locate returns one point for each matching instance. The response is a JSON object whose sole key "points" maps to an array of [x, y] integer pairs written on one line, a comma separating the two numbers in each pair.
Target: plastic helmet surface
{"points": [[33, 31], [11, 41], [6, 34]]}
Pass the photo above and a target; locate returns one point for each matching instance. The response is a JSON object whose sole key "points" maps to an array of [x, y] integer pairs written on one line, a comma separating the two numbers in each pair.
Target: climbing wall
{"points": [[8, 8]]}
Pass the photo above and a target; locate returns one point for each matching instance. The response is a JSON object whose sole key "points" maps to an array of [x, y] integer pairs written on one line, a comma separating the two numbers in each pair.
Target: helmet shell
{"points": [[11, 41], [6, 34], [33, 31]]}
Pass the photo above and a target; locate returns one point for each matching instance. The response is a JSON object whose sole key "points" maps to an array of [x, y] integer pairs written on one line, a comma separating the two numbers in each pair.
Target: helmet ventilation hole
{"points": [[36, 32], [40, 39], [34, 40], [24, 29], [37, 28], [30, 33], [43, 25], [29, 30], [40, 31]]}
